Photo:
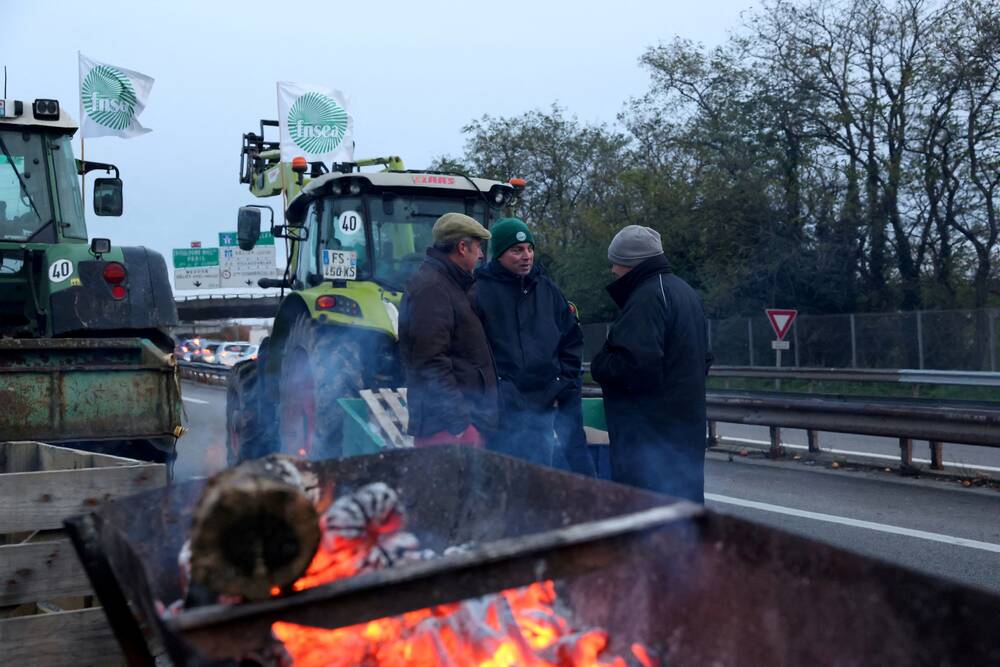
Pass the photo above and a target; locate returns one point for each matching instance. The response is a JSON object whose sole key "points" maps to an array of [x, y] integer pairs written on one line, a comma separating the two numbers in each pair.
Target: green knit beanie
{"points": [[507, 232]]}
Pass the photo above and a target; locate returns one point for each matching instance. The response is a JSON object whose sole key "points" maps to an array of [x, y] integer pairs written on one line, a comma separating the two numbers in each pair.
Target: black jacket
{"points": [[652, 371], [657, 348], [450, 377], [536, 340]]}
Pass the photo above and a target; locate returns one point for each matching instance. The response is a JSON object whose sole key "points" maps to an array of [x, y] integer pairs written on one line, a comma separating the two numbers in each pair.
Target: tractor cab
{"points": [[39, 188], [375, 227], [43, 233]]}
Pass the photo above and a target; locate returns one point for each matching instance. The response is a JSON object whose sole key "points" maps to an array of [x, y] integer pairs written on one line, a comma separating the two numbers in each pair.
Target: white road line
{"points": [[194, 400], [856, 523], [872, 455]]}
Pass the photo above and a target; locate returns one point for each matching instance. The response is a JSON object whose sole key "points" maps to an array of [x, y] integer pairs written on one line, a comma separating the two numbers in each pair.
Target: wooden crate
{"points": [[47, 615]]}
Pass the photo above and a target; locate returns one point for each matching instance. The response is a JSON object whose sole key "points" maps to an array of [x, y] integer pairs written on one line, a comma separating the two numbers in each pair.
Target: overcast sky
{"points": [[415, 72]]}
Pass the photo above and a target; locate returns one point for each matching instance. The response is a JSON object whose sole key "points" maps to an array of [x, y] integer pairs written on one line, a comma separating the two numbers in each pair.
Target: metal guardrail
{"points": [[902, 376], [200, 371], [898, 376], [919, 419], [907, 420]]}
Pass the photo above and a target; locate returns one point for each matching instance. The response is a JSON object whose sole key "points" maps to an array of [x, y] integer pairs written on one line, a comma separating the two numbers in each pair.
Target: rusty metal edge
{"points": [[220, 631]]}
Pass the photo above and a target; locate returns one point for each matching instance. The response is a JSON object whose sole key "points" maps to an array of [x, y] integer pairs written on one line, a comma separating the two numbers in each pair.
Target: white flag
{"points": [[315, 123], [111, 99]]}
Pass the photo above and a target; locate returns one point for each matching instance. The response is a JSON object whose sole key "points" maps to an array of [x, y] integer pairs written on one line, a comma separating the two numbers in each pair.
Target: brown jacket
{"points": [[450, 378]]}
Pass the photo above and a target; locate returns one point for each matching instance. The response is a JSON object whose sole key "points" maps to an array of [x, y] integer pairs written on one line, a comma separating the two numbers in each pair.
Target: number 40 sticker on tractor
{"points": [[340, 264]]}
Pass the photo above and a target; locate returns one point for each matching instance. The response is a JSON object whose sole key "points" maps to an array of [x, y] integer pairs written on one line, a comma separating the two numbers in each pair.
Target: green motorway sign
{"points": [[228, 239], [188, 258]]}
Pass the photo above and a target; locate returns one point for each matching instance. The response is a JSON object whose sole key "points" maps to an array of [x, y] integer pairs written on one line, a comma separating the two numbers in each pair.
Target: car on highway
{"points": [[208, 352], [186, 349], [229, 354]]}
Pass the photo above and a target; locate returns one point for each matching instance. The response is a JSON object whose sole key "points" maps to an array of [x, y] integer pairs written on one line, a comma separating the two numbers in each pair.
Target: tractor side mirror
{"points": [[247, 227], [108, 196]]}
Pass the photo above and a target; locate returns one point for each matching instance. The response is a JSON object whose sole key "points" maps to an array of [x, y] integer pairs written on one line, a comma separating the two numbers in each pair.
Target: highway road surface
{"points": [[935, 527]]}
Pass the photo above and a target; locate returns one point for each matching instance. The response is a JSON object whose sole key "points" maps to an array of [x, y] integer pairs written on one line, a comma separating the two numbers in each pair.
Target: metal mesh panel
{"points": [[886, 340], [935, 340], [730, 342], [824, 340], [956, 339]]}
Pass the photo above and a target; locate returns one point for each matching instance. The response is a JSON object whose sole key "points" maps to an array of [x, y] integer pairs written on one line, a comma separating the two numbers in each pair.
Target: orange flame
{"points": [[518, 627]]}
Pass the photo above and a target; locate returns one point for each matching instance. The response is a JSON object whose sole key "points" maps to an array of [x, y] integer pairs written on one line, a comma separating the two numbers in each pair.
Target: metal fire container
{"points": [[694, 586]]}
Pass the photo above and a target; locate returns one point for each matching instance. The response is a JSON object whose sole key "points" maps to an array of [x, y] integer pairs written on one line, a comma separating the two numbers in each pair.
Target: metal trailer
{"points": [[693, 586]]}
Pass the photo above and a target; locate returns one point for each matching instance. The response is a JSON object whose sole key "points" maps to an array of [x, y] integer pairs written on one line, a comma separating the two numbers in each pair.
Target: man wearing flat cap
{"points": [[450, 376], [652, 371], [538, 346]]}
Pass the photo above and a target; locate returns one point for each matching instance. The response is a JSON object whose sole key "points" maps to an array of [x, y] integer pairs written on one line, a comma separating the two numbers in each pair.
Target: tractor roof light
{"points": [[99, 246], [501, 194], [299, 165], [355, 187], [43, 109], [518, 183], [11, 108]]}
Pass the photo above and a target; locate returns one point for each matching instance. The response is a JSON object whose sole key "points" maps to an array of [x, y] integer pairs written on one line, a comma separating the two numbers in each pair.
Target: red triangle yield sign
{"points": [[781, 320]]}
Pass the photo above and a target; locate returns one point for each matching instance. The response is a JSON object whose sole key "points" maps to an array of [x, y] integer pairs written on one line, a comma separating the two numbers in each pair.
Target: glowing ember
{"points": [[518, 627]]}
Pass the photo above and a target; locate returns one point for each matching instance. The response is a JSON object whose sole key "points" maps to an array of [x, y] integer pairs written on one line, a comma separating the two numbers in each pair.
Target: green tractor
{"points": [[85, 355], [355, 237]]}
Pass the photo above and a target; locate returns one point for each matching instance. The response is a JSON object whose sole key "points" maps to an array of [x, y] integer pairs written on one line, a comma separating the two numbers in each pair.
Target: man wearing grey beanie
{"points": [[652, 371]]}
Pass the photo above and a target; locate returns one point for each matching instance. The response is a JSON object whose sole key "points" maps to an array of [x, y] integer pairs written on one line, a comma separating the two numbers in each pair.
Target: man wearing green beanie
{"points": [[537, 344]]}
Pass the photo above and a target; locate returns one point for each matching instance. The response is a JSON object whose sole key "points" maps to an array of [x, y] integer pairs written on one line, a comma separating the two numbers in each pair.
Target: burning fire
{"points": [[517, 627]]}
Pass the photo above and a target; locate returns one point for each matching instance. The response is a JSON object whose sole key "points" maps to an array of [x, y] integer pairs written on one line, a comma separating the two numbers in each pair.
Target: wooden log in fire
{"points": [[256, 528]]}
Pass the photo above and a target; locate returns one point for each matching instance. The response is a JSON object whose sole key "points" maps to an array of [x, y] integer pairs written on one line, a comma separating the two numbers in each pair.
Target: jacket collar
{"points": [[457, 275], [494, 270], [621, 289]]}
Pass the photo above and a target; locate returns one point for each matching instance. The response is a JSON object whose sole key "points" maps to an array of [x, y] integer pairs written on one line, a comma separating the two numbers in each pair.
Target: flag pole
{"points": [[83, 158]]}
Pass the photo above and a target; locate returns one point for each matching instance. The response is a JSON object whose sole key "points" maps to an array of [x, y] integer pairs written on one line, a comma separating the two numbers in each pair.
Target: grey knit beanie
{"points": [[633, 245]]}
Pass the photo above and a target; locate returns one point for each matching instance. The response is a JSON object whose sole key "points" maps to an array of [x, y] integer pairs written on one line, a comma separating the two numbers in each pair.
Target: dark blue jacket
{"points": [[534, 333]]}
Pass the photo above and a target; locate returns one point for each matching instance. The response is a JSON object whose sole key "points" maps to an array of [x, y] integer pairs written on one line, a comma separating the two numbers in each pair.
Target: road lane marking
{"points": [[872, 455], [194, 400], [856, 523]]}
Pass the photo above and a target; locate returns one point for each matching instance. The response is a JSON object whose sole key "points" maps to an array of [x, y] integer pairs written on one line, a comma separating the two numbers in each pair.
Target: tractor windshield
{"points": [[389, 231], [401, 230], [25, 205]]}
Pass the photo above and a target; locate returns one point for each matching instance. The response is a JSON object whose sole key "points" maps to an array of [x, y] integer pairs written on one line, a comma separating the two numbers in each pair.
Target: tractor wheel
{"points": [[250, 421], [318, 367]]}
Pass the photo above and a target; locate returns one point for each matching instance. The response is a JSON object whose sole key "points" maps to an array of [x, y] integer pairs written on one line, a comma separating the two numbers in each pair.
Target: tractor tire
{"points": [[250, 422], [319, 366]]}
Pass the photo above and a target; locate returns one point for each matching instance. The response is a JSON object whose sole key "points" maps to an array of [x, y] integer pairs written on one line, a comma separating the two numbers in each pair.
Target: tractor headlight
{"points": [[500, 195]]}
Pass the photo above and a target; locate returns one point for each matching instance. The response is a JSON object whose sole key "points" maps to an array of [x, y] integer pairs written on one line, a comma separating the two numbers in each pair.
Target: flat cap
{"points": [[457, 226]]}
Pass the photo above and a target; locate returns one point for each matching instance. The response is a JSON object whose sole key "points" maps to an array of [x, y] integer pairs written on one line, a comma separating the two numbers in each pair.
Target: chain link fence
{"points": [[966, 340]]}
